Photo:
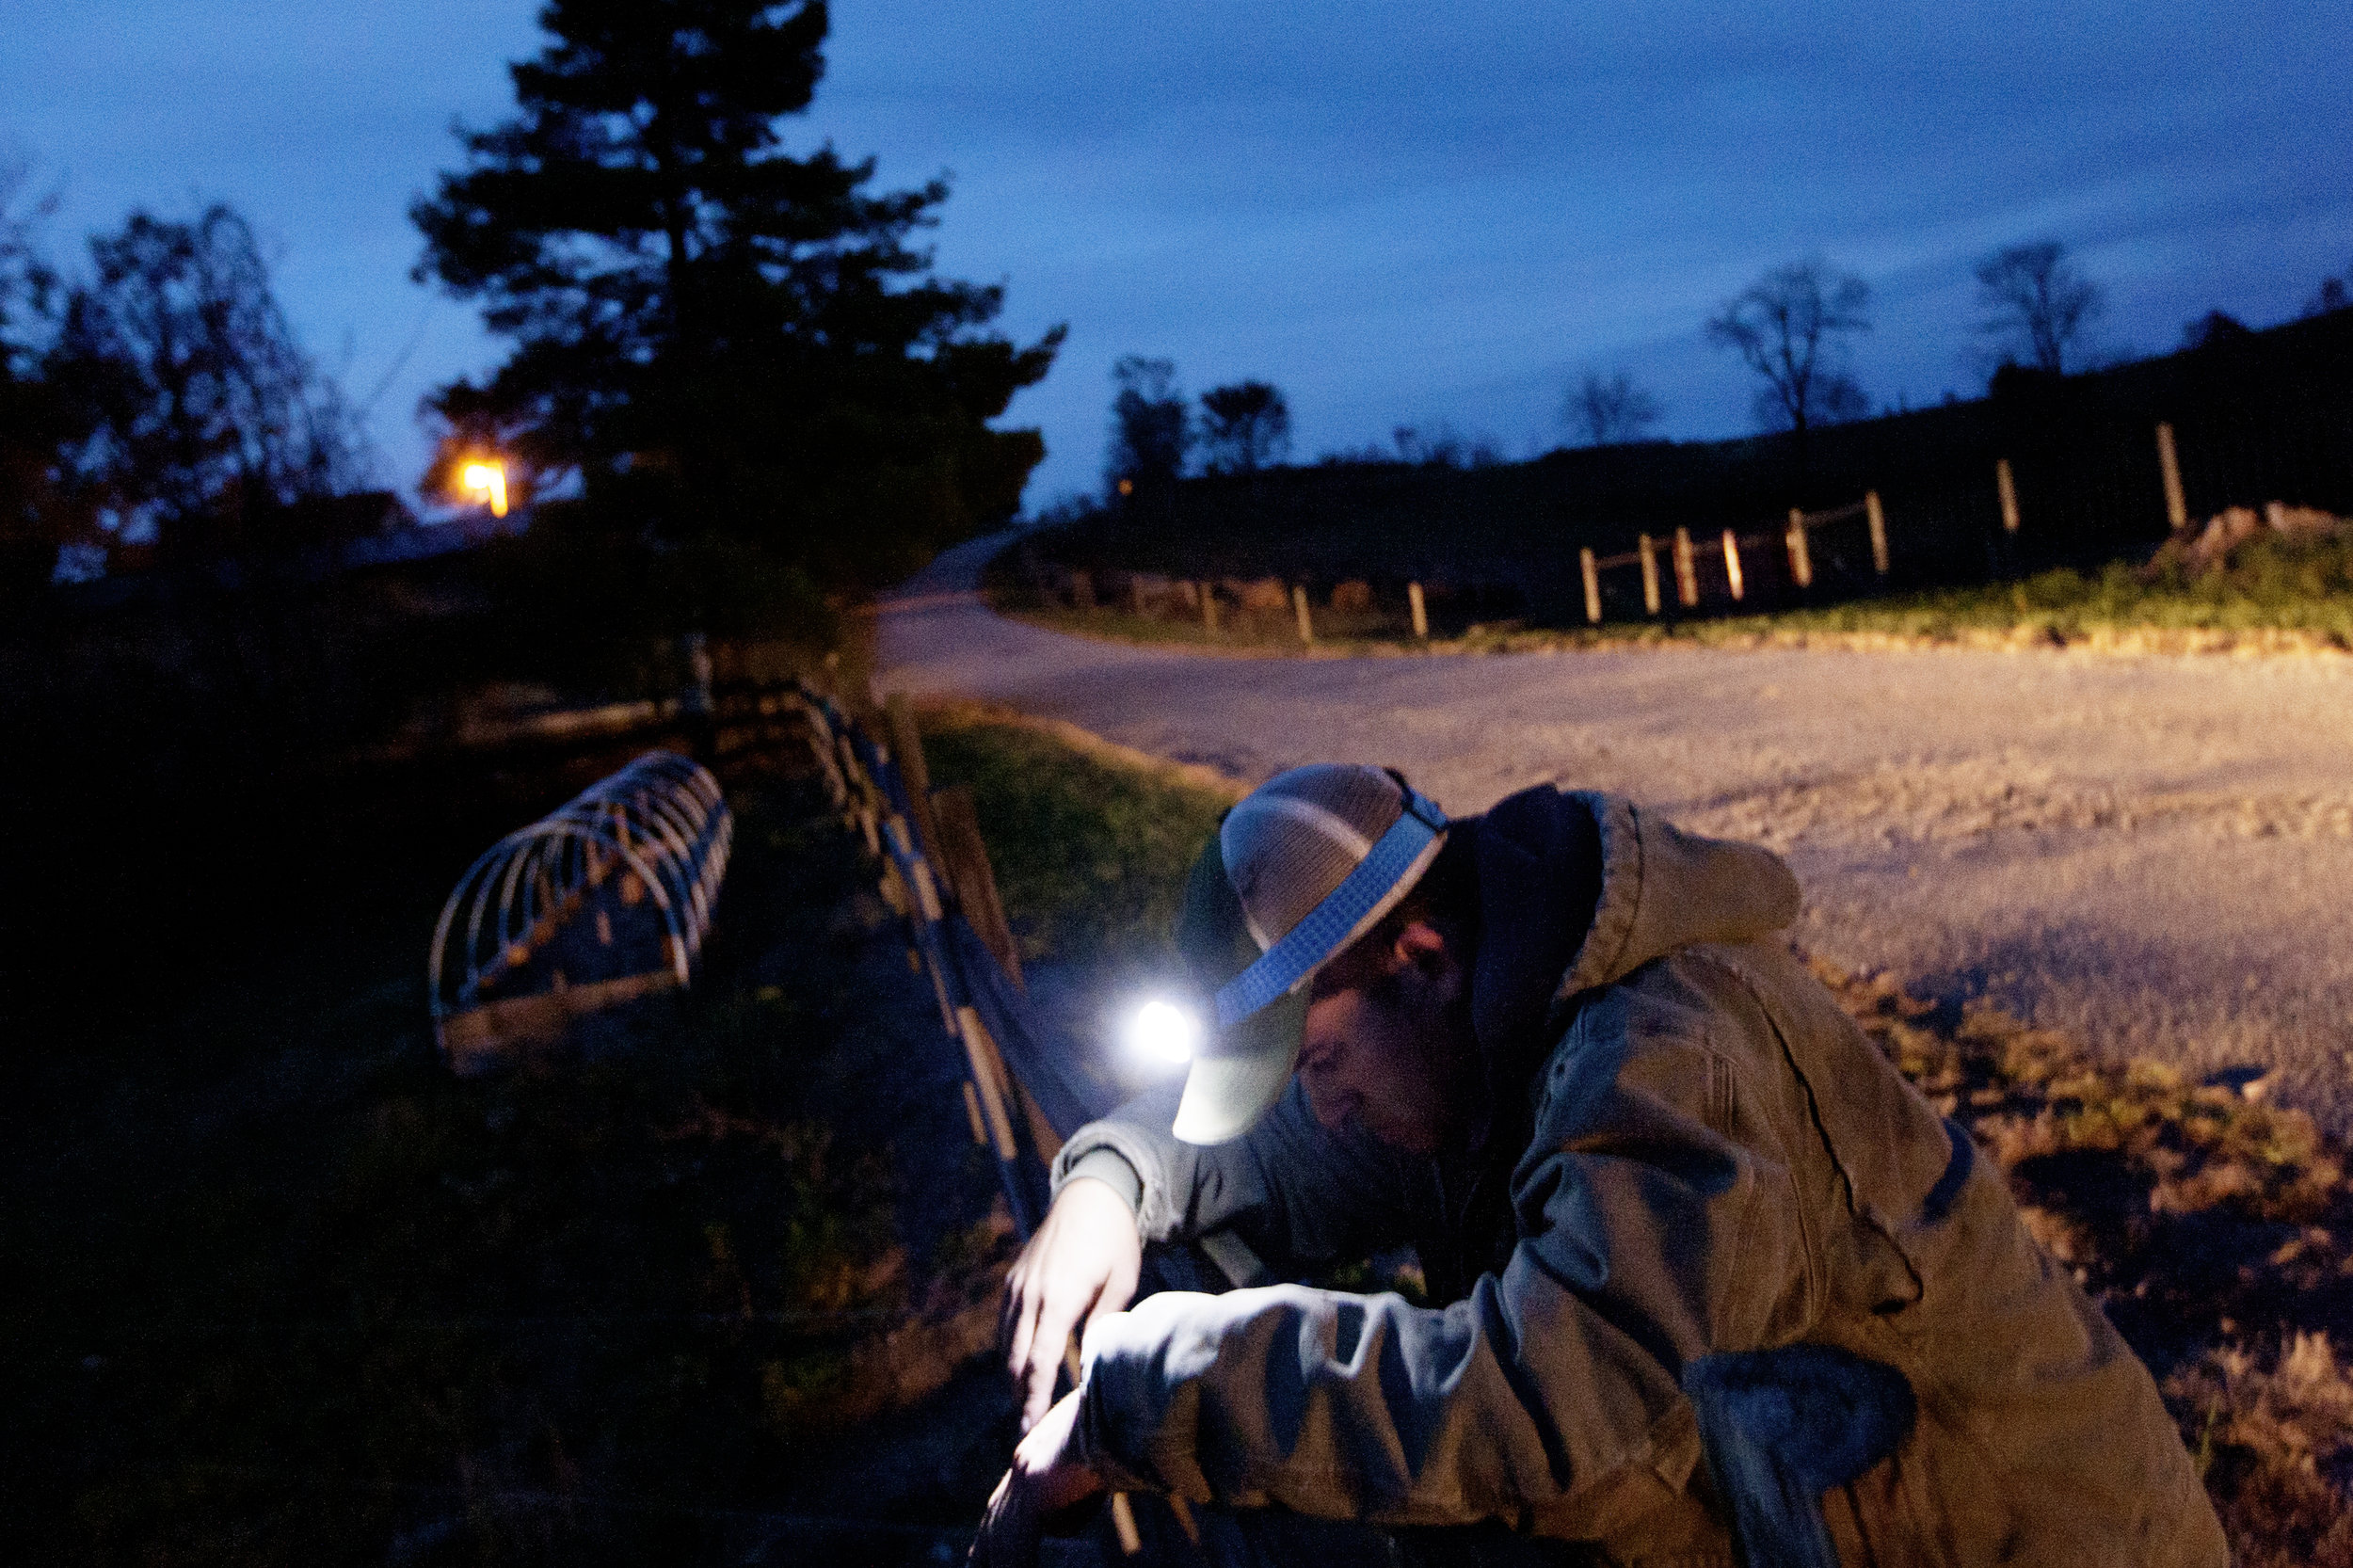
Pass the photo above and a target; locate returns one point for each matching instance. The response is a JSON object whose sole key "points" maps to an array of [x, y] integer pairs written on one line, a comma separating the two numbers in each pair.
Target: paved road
{"points": [[2154, 853]]}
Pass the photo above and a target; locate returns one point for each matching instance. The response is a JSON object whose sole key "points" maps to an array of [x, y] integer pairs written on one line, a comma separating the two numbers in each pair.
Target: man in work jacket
{"points": [[1716, 1283]]}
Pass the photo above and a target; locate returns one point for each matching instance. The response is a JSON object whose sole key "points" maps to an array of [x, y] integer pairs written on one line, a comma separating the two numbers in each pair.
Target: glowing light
{"points": [[487, 480], [1163, 1032]]}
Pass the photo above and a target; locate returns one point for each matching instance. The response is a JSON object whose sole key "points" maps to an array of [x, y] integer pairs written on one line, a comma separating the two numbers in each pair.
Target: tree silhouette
{"points": [[2333, 294], [196, 412], [36, 518], [1246, 426], [716, 336], [1611, 411], [2033, 298], [1789, 325], [2213, 330], [1150, 431]]}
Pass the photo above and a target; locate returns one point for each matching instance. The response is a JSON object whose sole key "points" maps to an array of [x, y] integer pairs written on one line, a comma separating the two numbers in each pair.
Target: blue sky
{"points": [[1400, 214]]}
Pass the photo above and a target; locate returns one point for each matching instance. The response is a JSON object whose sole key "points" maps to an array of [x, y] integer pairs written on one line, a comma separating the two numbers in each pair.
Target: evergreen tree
{"points": [[734, 348]]}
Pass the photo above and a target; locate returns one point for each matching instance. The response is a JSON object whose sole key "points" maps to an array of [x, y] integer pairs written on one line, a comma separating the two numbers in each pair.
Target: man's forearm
{"points": [[1290, 1188]]}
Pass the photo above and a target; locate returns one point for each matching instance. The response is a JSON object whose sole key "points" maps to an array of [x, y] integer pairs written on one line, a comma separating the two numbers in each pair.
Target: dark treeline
{"points": [[2259, 416]]}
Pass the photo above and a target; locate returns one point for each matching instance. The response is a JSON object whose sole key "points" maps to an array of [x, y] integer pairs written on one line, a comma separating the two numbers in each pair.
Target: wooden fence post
{"points": [[1801, 563], [906, 746], [1299, 608], [1732, 563], [1208, 607], [965, 859], [1650, 576], [2007, 487], [2176, 506], [1687, 571], [979, 1054], [1879, 530], [1592, 586], [1420, 611]]}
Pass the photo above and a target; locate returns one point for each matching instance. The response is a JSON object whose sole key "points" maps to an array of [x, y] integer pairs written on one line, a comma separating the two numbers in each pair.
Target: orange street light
{"points": [[487, 480]]}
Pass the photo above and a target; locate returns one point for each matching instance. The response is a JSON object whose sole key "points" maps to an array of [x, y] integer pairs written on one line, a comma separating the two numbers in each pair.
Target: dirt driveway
{"points": [[2154, 853]]}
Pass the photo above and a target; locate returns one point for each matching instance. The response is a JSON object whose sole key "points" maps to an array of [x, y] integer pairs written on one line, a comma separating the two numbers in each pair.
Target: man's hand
{"points": [[1046, 1478], [1084, 1260]]}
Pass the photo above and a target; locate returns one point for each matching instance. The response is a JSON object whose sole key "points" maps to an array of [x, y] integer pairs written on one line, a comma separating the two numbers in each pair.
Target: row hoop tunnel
{"points": [[661, 823]]}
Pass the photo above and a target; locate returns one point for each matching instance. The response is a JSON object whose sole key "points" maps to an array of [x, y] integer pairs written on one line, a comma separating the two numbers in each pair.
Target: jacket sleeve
{"points": [[1648, 1235], [1290, 1188]]}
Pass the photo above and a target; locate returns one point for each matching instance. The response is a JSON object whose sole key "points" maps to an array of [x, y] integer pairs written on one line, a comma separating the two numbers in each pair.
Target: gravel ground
{"points": [[2154, 853]]}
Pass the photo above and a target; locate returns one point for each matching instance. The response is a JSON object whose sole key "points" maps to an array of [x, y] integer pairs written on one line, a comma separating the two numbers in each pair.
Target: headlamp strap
{"points": [[1331, 923]]}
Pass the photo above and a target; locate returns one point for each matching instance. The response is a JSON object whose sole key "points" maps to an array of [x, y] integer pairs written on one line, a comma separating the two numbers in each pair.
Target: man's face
{"points": [[1387, 1041]]}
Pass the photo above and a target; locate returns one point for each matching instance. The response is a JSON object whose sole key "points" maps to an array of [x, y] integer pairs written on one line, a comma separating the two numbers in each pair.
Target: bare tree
{"points": [[1246, 426], [1789, 325], [2335, 295], [2033, 298], [1609, 412], [28, 284], [36, 520], [1150, 430], [201, 408]]}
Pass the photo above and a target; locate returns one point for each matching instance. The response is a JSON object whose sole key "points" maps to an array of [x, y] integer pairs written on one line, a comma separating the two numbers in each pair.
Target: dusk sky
{"points": [[1398, 213]]}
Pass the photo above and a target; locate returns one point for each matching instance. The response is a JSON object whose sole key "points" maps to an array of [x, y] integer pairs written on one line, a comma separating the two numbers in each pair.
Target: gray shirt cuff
{"points": [[1112, 1169]]}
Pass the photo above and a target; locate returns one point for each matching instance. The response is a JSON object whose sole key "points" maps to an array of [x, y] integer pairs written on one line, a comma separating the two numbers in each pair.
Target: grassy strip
{"points": [[2215, 1228], [1090, 843], [2274, 597]]}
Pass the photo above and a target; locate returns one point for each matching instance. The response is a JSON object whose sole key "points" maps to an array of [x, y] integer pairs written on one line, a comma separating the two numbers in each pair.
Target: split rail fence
{"points": [[1025, 1084], [1726, 566]]}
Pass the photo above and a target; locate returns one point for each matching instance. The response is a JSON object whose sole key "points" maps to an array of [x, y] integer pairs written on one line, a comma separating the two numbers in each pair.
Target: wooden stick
{"points": [[2007, 488], [1732, 563], [2176, 506], [1592, 586], [1123, 1515], [1420, 611], [1209, 608], [1299, 608], [1687, 571], [1800, 564], [1879, 530], [1650, 576]]}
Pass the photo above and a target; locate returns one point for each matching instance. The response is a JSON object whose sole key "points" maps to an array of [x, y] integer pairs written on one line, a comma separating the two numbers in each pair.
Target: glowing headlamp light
{"points": [[1160, 1031]]}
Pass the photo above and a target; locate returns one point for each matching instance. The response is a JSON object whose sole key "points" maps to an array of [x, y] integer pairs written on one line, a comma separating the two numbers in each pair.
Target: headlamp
{"points": [[1163, 1032]]}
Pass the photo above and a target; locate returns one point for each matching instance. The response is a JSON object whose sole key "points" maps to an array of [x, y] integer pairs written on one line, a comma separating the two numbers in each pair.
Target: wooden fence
{"points": [[1024, 1087], [1721, 570]]}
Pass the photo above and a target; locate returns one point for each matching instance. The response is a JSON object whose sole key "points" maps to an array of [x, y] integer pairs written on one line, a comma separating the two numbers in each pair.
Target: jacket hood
{"points": [[1580, 889]]}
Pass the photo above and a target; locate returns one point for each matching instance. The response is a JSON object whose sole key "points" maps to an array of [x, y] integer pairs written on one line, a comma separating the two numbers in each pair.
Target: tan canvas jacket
{"points": [[1711, 1160]]}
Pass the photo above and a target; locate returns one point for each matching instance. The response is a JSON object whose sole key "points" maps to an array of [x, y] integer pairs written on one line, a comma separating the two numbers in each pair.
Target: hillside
{"points": [[2257, 417]]}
